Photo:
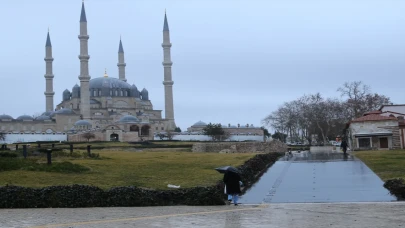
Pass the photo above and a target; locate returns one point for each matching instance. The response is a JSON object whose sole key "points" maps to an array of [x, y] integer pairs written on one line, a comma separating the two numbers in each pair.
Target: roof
{"points": [[372, 112], [200, 123], [382, 106], [128, 119], [103, 82], [82, 123], [48, 41], [120, 48], [373, 117], [25, 117], [83, 14], [4, 116], [165, 24]]}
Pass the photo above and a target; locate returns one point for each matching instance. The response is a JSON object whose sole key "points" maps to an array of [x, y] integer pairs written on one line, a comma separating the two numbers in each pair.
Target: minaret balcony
{"points": [[49, 76], [168, 83], [166, 45], [48, 59], [84, 57], [49, 93], [84, 78], [167, 64], [121, 64], [83, 37]]}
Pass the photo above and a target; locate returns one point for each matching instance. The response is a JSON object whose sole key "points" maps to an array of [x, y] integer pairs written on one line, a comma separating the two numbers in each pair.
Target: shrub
{"points": [[396, 187], [8, 155]]}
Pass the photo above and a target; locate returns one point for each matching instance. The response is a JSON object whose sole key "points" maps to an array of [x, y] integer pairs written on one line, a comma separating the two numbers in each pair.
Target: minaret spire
{"points": [[167, 82], [84, 76], [83, 14], [121, 62], [48, 75]]}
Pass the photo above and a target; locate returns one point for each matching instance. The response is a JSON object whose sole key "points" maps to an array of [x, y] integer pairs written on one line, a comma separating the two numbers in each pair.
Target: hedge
{"points": [[396, 187], [91, 196]]}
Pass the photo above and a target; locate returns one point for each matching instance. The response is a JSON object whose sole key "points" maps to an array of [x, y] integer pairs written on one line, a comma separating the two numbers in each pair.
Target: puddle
{"points": [[317, 177]]}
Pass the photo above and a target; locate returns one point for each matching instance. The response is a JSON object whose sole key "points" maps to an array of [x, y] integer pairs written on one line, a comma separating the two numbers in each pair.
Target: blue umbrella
{"points": [[224, 169]]}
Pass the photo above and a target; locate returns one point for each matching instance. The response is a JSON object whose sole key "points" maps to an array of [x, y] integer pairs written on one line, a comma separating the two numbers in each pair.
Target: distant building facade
{"points": [[238, 129], [110, 108], [379, 129]]}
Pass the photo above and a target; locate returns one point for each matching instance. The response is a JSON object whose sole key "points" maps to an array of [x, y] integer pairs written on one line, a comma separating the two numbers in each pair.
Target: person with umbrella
{"points": [[232, 181]]}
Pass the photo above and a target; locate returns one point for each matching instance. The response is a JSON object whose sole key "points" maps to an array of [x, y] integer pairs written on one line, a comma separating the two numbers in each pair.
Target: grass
{"points": [[387, 164], [143, 169]]}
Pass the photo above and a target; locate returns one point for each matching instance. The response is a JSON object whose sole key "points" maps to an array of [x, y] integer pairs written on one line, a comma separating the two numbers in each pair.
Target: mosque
{"points": [[110, 108]]}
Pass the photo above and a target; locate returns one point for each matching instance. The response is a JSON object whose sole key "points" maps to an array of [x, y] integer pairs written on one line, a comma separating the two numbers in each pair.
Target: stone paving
{"points": [[274, 215], [318, 178]]}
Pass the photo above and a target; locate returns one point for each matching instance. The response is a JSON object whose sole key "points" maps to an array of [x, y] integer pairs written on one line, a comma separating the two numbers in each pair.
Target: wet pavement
{"points": [[292, 215], [318, 177]]}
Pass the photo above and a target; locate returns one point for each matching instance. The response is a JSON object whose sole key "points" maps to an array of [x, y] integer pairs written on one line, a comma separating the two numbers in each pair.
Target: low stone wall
{"points": [[240, 147]]}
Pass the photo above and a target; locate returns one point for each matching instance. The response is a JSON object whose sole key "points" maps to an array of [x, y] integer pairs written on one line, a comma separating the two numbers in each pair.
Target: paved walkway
{"points": [[292, 215], [318, 178]]}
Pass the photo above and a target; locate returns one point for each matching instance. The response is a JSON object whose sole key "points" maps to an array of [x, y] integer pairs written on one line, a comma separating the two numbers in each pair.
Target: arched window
{"points": [[145, 130], [99, 92], [133, 128]]}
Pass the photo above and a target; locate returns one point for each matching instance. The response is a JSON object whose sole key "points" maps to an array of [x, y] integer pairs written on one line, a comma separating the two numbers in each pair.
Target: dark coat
{"points": [[343, 145], [231, 181]]}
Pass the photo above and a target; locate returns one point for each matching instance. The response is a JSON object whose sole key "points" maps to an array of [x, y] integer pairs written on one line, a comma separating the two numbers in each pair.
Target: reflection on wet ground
{"points": [[318, 177]]}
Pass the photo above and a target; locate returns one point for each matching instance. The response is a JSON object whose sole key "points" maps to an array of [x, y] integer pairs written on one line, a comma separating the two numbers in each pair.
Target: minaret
{"points": [[48, 75], [121, 63], [167, 82], [84, 76]]}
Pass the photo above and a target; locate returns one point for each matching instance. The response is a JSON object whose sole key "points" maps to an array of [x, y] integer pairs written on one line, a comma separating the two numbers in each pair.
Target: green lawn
{"points": [[387, 164], [124, 168]]}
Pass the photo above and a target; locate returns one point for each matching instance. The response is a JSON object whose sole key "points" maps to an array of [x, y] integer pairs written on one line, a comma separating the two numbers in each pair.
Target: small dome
{"points": [[25, 117], [66, 95], [64, 111], [82, 123], [200, 123], [128, 119], [48, 113], [144, 94], [134, 92], [76, 91], [5, 117], [43, 118]]}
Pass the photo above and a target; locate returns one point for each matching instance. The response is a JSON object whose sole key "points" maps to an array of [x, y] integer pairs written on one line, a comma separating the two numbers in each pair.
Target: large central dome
{"points": [[104, 82]]}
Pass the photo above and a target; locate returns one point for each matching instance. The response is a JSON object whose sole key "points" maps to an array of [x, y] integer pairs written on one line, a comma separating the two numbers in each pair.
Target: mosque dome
{"points": [[144, 94], [128, 119], [48, 113], [134, 92], [66, 95], [200, 124], [82, 123], [43, 117], [5, 117], [63, 111], [76, 91], [25, 117], [103, 82]]}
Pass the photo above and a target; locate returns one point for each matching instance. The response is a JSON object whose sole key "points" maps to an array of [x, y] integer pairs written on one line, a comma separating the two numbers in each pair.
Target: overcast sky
{"points": [[234, 61]]}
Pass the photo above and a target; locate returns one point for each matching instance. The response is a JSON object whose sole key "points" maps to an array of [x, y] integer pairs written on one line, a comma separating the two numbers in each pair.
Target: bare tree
{"points": [[169, 135], [359, 99], [88, 136]]}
